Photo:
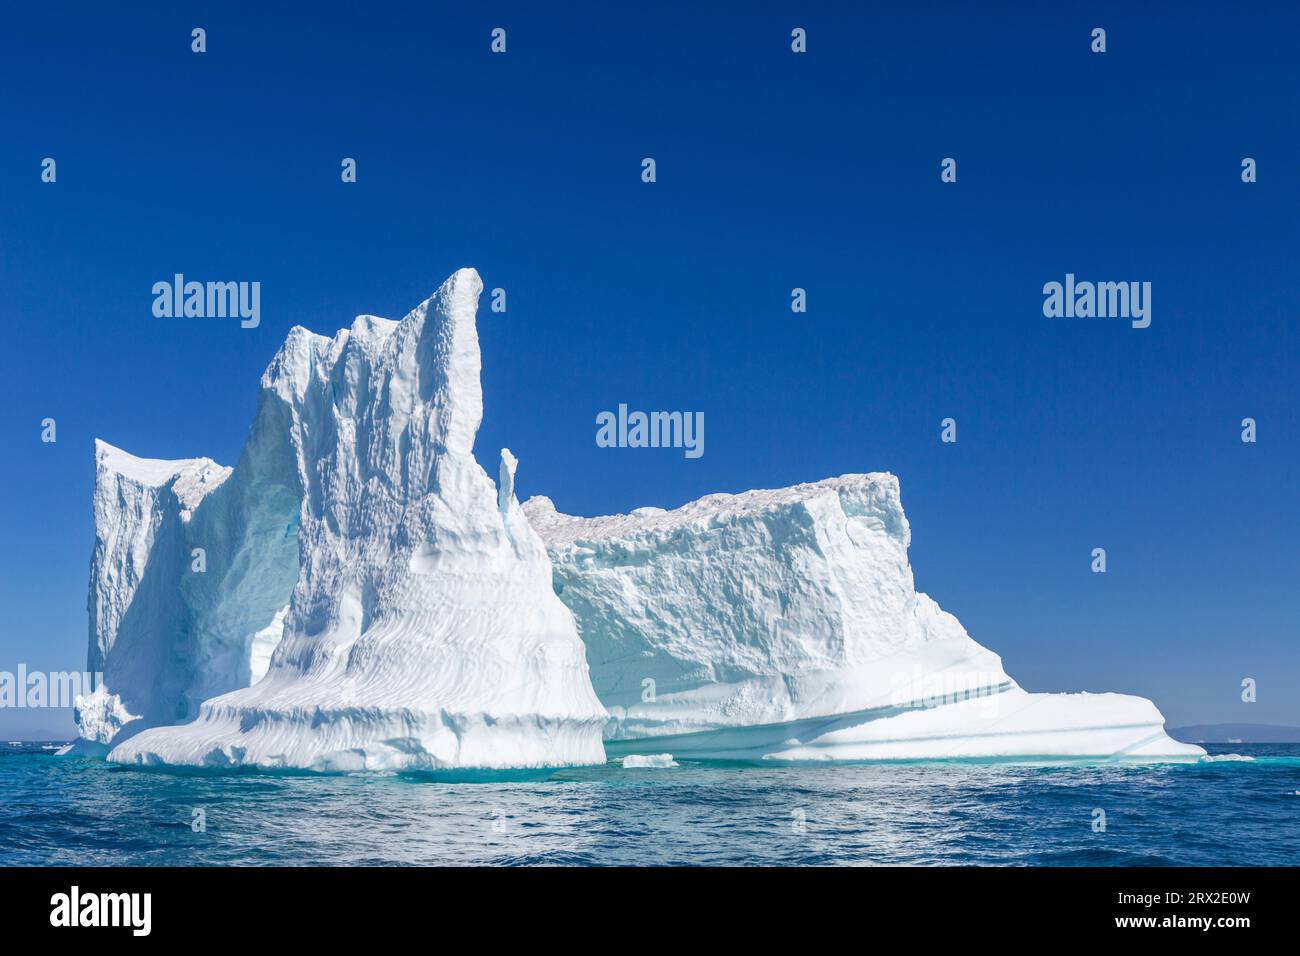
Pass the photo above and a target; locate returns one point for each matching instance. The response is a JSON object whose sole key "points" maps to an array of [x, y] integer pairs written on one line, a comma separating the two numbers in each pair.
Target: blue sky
{"points": [[775, 170]]}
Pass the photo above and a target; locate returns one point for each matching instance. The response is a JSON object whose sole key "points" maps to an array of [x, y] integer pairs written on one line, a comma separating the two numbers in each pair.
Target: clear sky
{"points": [[775, 170]]}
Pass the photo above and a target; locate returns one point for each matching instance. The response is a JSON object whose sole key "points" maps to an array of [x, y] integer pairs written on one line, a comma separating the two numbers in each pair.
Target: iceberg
{"points": [[785, 625], [355, 594]]}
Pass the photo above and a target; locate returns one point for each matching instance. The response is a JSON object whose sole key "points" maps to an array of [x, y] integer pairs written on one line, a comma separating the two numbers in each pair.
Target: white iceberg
{"points": [[356, 594], [364, 598], [785, 625]]}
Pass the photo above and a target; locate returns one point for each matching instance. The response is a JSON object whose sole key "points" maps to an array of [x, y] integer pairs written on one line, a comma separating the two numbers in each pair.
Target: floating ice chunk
{"points": [[639, 761], [1230, 758], [100, 715]]}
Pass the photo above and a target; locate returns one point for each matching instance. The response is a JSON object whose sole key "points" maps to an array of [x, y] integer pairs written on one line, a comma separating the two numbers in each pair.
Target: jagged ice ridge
{"points": [[397, 604]]}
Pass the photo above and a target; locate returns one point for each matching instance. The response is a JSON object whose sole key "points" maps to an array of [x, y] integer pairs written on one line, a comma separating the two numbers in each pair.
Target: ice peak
{"points": [[442, 357], [424, 366], [540, 505], [414, 619], [371, 327], [385, 399], [506, 486]]}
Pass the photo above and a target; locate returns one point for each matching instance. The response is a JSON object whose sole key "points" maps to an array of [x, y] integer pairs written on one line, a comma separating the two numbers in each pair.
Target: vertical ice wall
{"points": [[189, 566], [422, 631]]}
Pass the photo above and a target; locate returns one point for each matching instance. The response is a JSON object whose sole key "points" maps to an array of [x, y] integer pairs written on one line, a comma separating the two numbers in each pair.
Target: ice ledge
{"points": [[870, 495], [1010, 725], [192, 479]]}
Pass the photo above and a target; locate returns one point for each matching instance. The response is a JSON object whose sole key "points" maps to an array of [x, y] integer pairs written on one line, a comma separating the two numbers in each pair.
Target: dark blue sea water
{"points": [[75, 811]]}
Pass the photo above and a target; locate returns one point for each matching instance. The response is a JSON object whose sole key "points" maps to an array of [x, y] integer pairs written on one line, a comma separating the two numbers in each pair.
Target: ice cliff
{"points": [[785, 624], [355, 594]]}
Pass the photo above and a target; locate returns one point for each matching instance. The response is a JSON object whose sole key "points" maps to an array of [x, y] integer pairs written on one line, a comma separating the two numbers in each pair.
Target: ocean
{"points": [[1222, 811]]}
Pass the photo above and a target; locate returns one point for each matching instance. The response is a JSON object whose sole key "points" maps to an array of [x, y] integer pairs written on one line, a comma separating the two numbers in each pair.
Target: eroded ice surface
{"points": [[356, 594], [784, 624], [371, 601]]}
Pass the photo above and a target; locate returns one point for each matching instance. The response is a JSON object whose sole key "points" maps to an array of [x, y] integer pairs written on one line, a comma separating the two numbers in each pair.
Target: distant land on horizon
{"points": [[1235, 733]]}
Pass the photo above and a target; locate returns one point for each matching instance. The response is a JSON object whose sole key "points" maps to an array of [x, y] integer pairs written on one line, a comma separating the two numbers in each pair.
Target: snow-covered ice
{"points": [[371, 601], [784, 624]]}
